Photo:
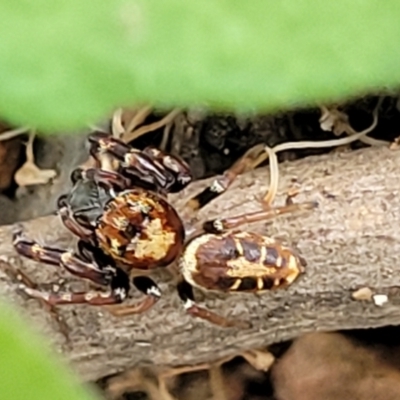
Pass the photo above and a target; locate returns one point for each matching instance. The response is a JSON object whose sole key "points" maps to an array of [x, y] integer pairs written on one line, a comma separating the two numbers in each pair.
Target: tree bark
{"points": [[352, 240]]}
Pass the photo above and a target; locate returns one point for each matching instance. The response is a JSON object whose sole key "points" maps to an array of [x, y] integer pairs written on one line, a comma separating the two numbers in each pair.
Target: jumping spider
{"points": [[125, 225]]}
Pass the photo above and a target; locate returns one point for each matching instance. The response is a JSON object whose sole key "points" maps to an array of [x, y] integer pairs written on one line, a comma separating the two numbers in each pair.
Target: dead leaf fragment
{"points": [[30, 174], [333, 120]]}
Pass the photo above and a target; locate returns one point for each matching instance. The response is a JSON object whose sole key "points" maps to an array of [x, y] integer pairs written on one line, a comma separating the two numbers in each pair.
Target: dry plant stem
{"points": [[350, 241], [350, 131], [259, 153], [117, 128], [271, 153], [29, 148], [274, 177], [374, 142], [329, 143], [7, 135], [132, 135], [138, 118], [165, 138]]}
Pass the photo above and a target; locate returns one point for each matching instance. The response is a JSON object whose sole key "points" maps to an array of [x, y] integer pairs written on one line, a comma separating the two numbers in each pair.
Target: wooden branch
{"points": [[351, 241]]}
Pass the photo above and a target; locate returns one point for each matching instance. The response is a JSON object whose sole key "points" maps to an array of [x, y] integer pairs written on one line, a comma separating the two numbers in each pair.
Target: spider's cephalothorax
{"points": [[126, 225]]}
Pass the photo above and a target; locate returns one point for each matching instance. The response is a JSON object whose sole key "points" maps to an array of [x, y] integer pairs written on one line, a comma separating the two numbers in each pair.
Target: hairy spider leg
{"points": [[67, 218], [185, 292], [152, 294], [91, 264], [178, 167], [118, 293], [109, 179], [142, 283], [222, 183], [133, 162], [78, 265], [220, 225]]}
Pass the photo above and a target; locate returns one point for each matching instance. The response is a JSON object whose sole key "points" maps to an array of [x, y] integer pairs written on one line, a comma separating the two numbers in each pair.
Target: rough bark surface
{"points": [[351, 241]]}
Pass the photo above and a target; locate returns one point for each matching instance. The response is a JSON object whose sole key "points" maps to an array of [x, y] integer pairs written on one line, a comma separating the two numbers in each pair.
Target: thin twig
{"points": [[274, 170], [13, 133], [334, 142], [273, 176], [117, 127], [165, 138], [138, 119], [129, 136]]}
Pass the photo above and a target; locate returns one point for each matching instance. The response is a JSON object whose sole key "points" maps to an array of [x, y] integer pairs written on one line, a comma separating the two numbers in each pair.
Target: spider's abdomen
{"points": [[139, 229], [239, 261]]}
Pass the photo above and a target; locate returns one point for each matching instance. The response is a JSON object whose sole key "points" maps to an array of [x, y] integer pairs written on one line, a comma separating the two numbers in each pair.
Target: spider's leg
{"points": [[221, 184], [175, 165], [73, 263], [185, 292], [218, 186], [81, 230], [109, 179], [152, 294], [133, 162], [220, 225], [117, 294]]}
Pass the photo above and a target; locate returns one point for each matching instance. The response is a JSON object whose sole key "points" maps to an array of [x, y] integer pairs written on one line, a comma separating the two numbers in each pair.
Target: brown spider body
{"points": [[140, 230], [239, 262]]}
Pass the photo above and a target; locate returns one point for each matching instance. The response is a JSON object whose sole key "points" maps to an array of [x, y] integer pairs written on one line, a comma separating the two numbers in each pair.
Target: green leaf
{"points": [[28, 370], [66, 63]]}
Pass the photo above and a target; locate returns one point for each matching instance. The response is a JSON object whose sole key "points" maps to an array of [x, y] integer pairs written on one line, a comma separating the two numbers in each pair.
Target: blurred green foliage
{"points": [[67, 63], [28, 369]]}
